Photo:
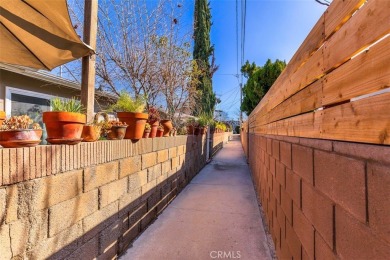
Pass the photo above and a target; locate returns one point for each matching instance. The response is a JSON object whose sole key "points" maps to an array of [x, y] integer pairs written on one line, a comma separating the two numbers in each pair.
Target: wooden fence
{"points": [[337, 85]]}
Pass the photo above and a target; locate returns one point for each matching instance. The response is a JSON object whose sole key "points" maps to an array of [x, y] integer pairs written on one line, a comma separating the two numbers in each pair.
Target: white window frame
{"points": [[11, 90]]}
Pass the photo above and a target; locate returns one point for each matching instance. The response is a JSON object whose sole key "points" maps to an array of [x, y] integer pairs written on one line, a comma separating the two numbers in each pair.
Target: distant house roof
{"points": [[50, 78]]}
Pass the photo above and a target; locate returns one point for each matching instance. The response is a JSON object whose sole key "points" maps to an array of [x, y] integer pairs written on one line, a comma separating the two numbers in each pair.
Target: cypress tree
{"points": [[202, 52]]}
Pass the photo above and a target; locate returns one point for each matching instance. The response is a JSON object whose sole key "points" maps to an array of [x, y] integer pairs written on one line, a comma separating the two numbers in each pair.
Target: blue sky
{"points": [[274, 29]]}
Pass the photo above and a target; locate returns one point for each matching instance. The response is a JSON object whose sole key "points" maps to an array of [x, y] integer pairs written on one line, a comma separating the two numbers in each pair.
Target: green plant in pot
{"points": [[20, 131], [64, 123], [192, 124], [204, 121], [131, 111]]}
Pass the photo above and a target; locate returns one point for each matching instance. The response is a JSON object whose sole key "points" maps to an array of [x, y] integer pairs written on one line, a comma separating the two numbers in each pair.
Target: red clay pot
{"points": [[153, 130], [91, 133], [2, 117], [190, 130], [117, 133], [197, 131], [146, 134], [20, 138], [136, 124], [167, 124], [160, 133], [64, 127]]}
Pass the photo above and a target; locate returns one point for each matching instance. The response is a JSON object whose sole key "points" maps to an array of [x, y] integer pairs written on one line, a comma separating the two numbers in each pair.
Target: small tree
{"points": [[260, 80]]}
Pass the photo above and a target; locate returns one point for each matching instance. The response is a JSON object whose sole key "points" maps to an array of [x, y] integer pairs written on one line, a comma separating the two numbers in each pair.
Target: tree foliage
{"points": [[259, 81], [203, 50]]}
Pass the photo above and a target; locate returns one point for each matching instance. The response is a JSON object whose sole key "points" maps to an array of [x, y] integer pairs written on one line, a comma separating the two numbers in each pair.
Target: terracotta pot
{"points": [[146, 133], [190, 130], [91, 133], [159, 133], [20, 138], [117, 133], [64, 127], [136, 124], [2, 117], [197, 131], [167, 124], [153, 130]]}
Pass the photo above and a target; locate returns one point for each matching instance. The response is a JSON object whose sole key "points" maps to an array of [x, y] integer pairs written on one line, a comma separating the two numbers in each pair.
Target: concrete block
{"points": [[54, 189], [149, 160], [96, 176], [129, 166], [138, 179], [112, 192], [68, 213]]}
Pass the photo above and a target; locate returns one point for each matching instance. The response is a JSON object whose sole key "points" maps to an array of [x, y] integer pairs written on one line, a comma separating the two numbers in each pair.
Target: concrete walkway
{"points": [[216, 216]]}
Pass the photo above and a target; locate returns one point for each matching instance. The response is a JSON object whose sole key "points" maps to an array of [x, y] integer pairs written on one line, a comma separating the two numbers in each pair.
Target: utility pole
{"points": [[88, 62], [240, 102]]}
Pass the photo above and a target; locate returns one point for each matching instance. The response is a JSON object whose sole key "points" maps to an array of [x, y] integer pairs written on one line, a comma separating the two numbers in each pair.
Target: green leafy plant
{"points": [[66, 105], [126, 103], [147, 126], [204, 120]]}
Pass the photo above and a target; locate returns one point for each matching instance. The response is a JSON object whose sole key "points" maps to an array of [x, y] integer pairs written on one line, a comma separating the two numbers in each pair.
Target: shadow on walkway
{"points": [[216, 216]]}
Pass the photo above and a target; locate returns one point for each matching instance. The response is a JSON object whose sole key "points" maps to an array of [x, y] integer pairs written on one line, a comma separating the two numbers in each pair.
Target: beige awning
{"points": [[38, 34]]}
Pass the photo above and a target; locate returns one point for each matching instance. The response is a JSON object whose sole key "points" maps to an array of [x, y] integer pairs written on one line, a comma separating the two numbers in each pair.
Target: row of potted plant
{"points": [[66, 124]]}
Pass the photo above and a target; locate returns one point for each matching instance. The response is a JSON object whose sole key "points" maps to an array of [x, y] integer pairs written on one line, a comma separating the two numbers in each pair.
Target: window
{"points": [[23, 102]]}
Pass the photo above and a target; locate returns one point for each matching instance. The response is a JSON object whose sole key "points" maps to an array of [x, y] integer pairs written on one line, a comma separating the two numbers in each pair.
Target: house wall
{"points": [[14, 80], [92, 199], [323, 199]]}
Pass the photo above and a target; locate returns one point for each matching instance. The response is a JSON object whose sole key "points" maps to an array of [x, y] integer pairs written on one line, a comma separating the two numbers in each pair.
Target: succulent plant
{"points": [[154, 115], [18, 123], [147, 126]]}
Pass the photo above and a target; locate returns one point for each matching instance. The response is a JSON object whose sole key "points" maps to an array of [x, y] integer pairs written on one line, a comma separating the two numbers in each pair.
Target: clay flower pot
{"points": [[64, 127], [167, 124], [136, 124], [91, 133], [153, 130], [2, 117], [117, 132], [197, 131], [20, 138], [160, 133], [146, 133], [190, 129]]}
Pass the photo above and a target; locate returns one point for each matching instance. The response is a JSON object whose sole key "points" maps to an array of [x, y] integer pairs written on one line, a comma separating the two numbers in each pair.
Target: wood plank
{"points": [[369, 24], [305, 125], [368, 72], [306, 100], [339, 13], [366, 120]]}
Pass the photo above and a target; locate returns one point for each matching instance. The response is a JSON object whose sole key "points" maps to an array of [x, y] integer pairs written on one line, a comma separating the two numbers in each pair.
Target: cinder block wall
{"points": [[89, 200], [323, 199], [218, 140]]}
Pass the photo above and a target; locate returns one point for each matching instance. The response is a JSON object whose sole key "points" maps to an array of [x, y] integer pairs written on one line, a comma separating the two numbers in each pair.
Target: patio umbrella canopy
{"points": [[38, 34]]}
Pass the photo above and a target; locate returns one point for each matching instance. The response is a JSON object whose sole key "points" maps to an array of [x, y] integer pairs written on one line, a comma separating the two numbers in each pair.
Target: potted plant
{"points": [[20, 131], [204, 120], [191, 125], [2, 117], [147, 130], [130, 111], [160, 131], [153, 120], [167, 125], [116, 130], [64, 124]]}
